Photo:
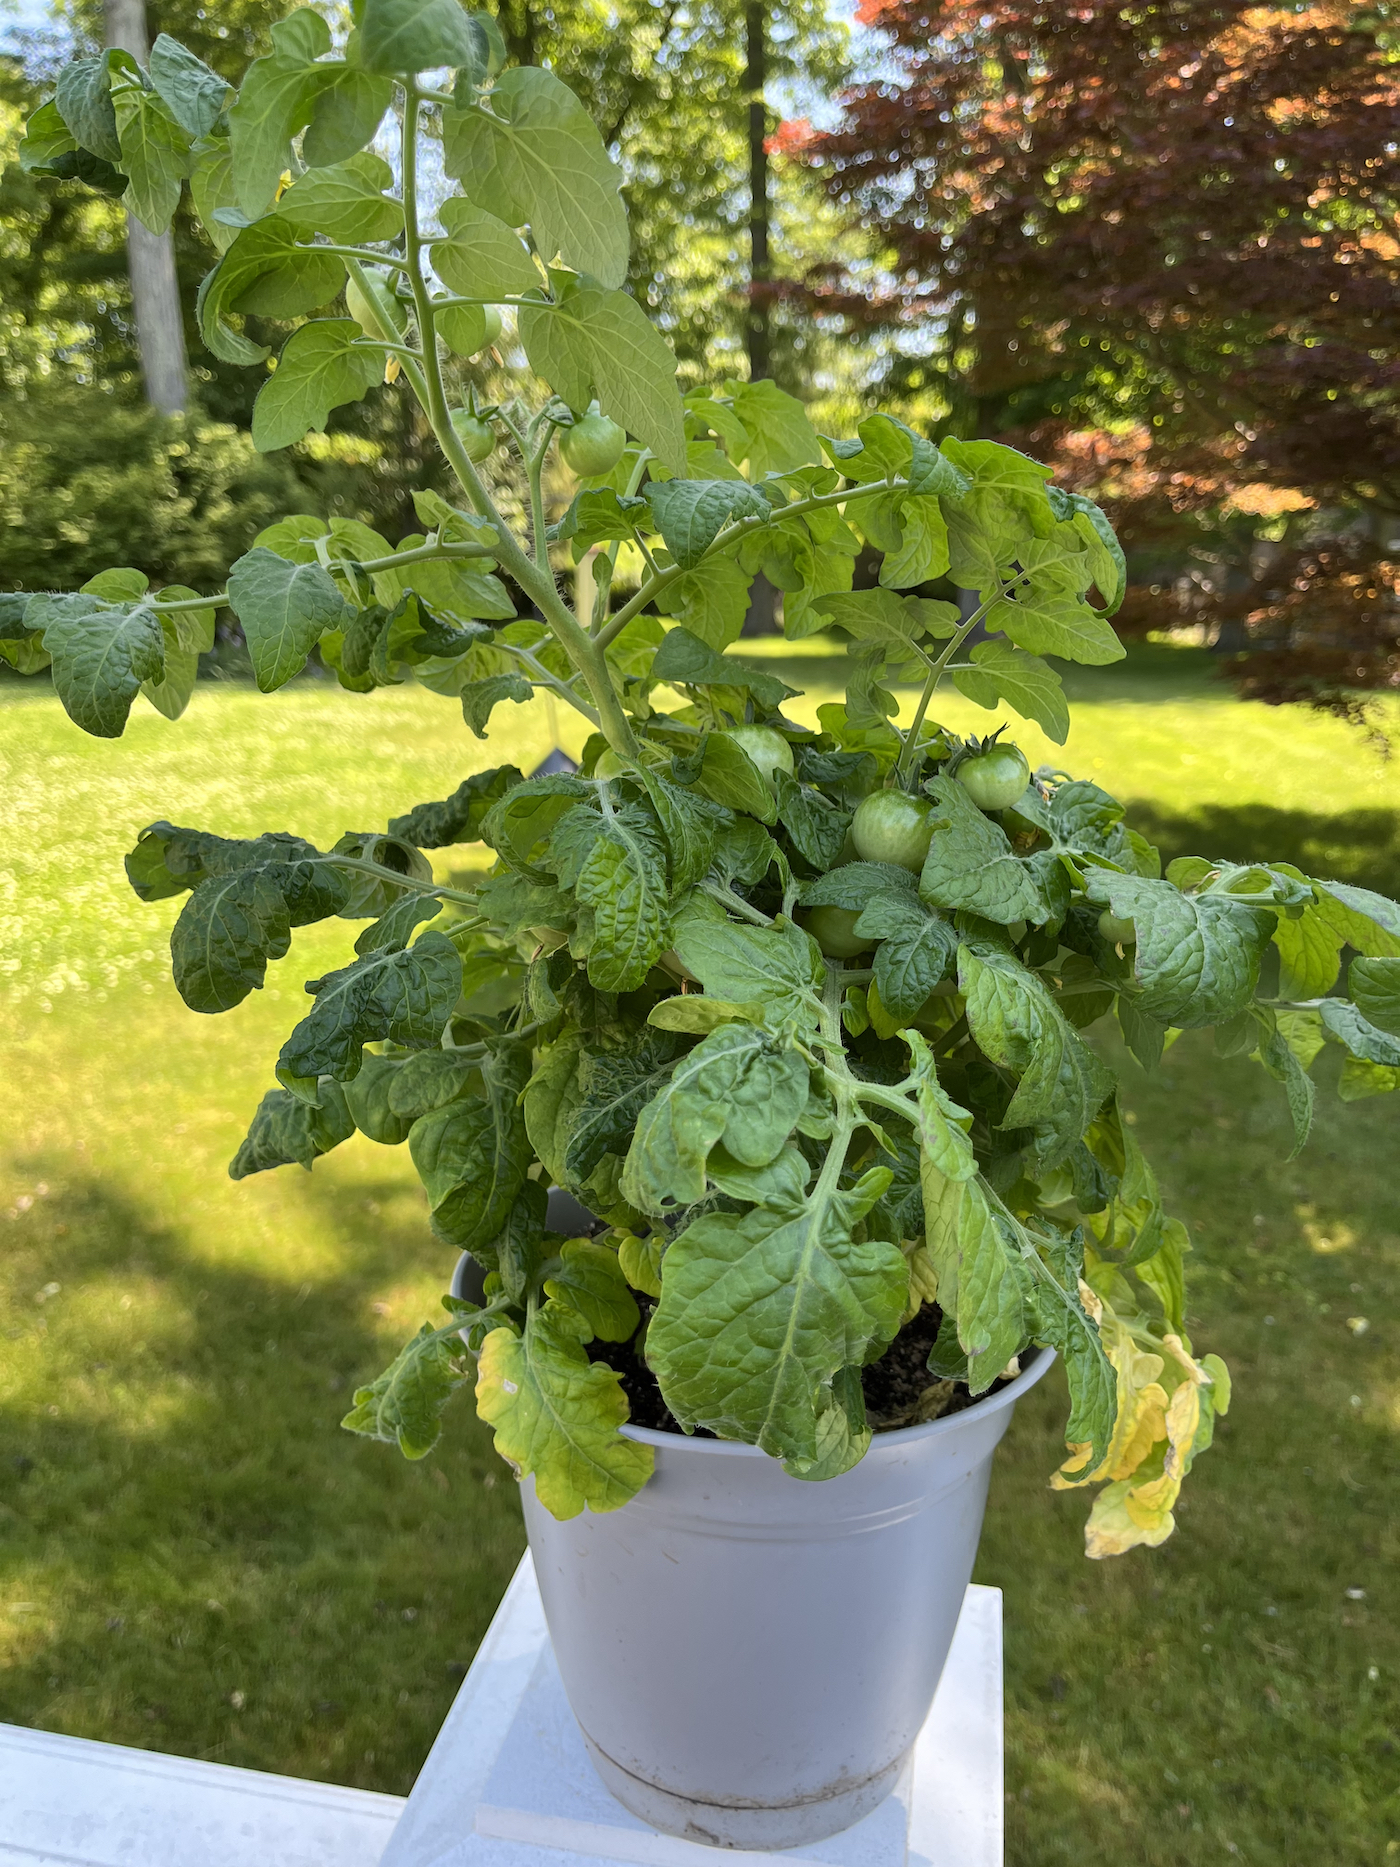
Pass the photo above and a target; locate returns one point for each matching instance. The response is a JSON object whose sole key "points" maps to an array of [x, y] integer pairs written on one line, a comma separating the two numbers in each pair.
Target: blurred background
{"points": [[1153, 245]]}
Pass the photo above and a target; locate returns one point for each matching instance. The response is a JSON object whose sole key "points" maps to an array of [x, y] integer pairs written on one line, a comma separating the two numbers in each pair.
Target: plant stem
{"points": [[422, 554], [543, 678], [909, 754], [366, 256], [654, 585], [536, 580], [363, 866], [741, 907]]}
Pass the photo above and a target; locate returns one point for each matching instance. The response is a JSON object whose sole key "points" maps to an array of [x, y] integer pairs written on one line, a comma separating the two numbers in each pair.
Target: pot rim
{"points": [[1037, 1362]]}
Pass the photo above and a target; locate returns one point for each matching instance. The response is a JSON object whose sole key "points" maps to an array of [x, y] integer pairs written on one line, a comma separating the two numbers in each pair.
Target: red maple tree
{"points": [[1160, 242]]}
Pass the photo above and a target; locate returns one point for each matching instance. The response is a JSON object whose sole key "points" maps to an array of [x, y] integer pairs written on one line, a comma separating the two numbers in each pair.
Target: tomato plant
{"points": [[626, 976]]}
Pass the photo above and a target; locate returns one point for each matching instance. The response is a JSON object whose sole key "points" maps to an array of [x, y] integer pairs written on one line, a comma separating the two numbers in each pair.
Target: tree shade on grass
{"points": [[169, 1411]]}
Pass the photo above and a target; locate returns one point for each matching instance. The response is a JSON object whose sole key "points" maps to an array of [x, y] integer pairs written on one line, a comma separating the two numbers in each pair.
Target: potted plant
{"points": [[798, 1014]]}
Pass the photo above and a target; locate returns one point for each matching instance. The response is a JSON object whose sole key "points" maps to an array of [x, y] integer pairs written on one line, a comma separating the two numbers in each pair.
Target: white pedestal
{"points": [[509, 1783], [66, 1802]]}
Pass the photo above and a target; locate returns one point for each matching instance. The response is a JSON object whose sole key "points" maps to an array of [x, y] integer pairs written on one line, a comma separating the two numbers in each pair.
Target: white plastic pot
{"points": [[751, 1657]]}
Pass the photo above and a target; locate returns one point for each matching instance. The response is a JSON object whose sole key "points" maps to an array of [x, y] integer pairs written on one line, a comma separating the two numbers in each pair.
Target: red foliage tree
{"points": [[1179, 219]]}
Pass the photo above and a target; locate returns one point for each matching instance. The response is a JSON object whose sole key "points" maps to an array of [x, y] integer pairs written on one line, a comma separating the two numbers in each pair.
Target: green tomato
{"points": [[609, 765], [1016, 825], [593, 445], [1056, 1186], [995, 778], [475, 435], [768, 750], [468, 329], [1117, 932], [550, 938], [833, 929], [891, 826], [376, 310]]}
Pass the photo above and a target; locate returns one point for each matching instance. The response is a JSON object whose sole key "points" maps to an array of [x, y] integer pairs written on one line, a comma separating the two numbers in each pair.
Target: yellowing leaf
{"points": [[556, 1416]]}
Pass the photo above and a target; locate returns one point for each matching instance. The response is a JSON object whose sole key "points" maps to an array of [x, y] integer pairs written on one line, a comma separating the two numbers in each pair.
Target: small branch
{"points": [[364, 254], [219, 600], [543, 678], [361, 865], [909, 754], [738, 903], [654, 585]]}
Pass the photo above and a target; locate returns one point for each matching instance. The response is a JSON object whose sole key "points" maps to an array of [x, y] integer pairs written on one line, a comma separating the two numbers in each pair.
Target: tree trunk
{"points": [[155, 294], [760, 269]]}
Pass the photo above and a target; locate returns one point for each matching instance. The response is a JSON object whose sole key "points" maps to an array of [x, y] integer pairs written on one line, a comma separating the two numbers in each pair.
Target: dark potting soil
{"points": [[899, 1390]]}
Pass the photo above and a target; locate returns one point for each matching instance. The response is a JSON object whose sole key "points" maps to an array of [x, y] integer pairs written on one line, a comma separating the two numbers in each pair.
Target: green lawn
{"points": [[194, 1557]]}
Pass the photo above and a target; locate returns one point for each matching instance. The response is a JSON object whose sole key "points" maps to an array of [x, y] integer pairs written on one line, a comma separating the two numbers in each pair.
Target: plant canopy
{"points": [[794, 1159]]}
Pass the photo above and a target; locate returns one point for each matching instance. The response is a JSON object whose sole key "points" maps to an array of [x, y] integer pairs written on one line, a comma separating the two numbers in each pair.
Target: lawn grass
{"points": [[193, 1557]]}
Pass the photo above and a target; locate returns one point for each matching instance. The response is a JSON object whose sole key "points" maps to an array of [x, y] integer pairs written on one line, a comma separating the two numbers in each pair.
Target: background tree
{"points": [[667, 83], [155, 293], [1175, 227]]}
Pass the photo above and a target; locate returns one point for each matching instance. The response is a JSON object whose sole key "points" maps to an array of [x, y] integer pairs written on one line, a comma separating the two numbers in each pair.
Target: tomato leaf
{"points": [[758, 1314], [414, 35], [459, 818], [736, 1087], [346, 202], [690, 514], [102, 654], [1018, 1025], [533, 154], [556, 1416], [481, 257], [1025, 682], [1375, 985], [616, 865], [275, 100], [590, 1282], [193, 94], [472, 1155], [404, 1405], [320, 369], [284, 609], [264, 271], [1197, 956], [404, 996], [601, 343], [288, 1129], [970, 863]]}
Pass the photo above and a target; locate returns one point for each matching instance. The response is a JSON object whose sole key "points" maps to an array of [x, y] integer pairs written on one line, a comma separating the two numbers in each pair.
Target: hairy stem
{"points": [[656, 584], [909, 754], [361, 865], [535, 579]]}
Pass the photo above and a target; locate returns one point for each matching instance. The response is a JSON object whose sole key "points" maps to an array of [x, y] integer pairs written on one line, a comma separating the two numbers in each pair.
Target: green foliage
{"points": [[99, 482], [820, 1149]]}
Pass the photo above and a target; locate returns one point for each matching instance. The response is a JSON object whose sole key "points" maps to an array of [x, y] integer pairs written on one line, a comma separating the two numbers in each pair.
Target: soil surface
{"points": [[899, 1390]]}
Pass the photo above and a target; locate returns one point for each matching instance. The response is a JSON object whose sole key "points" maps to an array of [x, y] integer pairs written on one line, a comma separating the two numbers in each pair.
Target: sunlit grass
{"points": [[194, 1558]]}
